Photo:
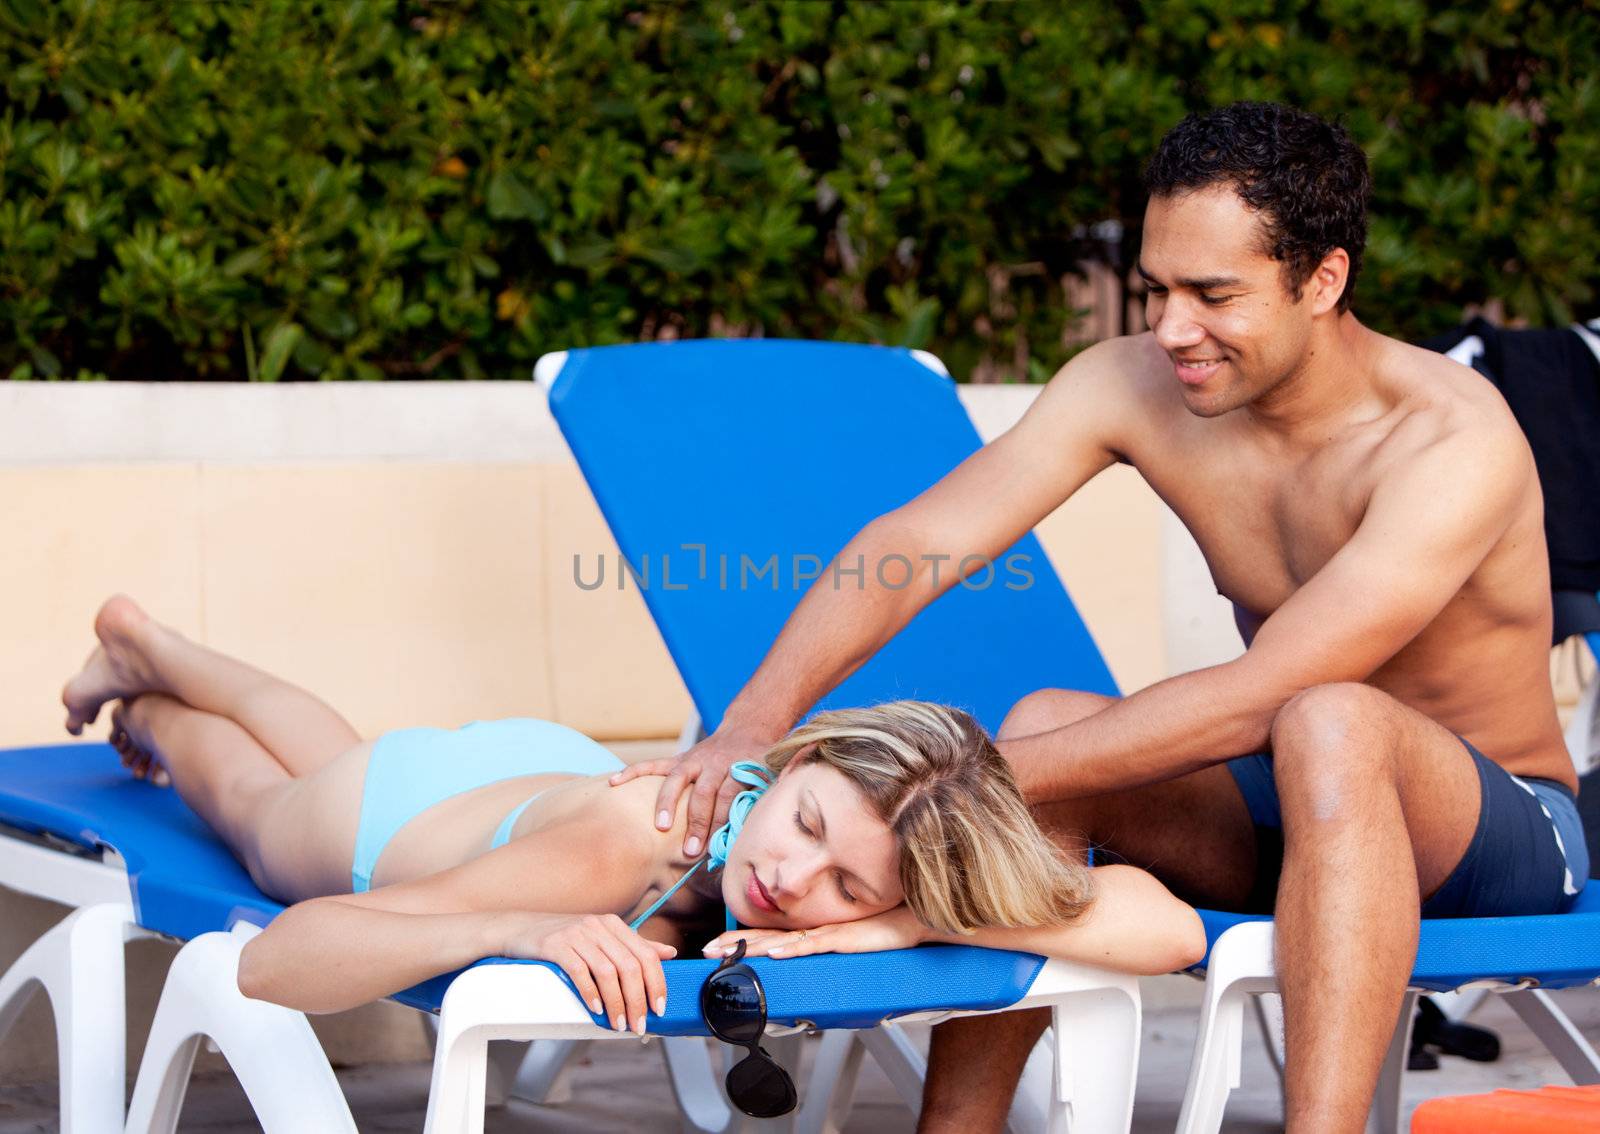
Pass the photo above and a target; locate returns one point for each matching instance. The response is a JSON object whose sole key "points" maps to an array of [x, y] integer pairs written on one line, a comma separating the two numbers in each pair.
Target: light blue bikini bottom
{"points": [[412, 769]]}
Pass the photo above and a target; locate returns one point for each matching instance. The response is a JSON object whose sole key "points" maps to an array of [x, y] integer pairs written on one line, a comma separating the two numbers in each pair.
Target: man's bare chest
{"points": [[1264, 530]]}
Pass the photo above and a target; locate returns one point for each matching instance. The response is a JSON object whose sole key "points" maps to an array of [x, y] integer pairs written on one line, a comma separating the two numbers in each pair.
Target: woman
{"points": [[426, 849]]}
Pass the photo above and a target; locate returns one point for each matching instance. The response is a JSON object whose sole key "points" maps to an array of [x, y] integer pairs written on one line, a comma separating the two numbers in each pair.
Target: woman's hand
{"points": [[893, 929], [617, 972]]}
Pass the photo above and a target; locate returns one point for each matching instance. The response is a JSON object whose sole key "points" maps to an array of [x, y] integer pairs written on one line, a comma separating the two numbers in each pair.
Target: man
{"points": [[1372, 512]]}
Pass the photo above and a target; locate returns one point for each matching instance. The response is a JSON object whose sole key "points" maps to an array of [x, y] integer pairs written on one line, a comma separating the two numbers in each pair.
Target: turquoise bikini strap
{"points": [[727, 914], [662, 900], [760, 778]]}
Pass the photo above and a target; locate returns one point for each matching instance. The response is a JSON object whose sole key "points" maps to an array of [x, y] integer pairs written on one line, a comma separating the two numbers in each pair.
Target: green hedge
{"points": [[289, 189]]}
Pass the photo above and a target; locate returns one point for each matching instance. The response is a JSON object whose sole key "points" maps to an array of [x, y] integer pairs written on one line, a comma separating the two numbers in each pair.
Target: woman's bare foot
{"points": [[131, 739], [116, 668]]}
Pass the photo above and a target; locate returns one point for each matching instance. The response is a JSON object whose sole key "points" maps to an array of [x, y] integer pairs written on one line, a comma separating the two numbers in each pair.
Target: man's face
{"points": [[1217, 303]]}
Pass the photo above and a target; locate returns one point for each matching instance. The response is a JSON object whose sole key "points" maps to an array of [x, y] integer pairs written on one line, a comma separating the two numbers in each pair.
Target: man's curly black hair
{"points": [[1306, 177]]}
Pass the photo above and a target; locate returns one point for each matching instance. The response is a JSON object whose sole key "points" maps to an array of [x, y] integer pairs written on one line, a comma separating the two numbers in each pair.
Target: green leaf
{"points": [[48, 365], [281, 341], [243, 262], [509, 199]]}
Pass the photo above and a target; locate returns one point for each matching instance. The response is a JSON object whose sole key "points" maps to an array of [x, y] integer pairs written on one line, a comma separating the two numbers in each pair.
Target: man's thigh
{"points": [[1339, 751], [1484, 842], [1192, 832]]}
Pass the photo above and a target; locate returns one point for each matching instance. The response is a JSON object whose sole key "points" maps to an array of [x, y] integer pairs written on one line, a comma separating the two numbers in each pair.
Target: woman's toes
{"points": [[89, 689], [116, 667]]}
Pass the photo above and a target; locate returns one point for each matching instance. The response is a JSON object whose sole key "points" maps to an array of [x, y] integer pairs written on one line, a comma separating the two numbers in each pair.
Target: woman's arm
{"points": [[329, 954], [550, 895], [1134, 925]]}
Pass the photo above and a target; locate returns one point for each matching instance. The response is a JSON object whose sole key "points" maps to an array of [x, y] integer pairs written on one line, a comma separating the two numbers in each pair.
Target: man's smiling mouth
{"points": [[1193, 372]]}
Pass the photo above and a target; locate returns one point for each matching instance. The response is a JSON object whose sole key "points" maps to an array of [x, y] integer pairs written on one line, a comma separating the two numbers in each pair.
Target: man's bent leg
{"points": [[973, 1066], [1379, 804], [1194, 833]]}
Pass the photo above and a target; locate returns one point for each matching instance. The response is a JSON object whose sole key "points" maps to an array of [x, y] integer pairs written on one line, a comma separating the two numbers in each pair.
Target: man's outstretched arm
{"points": [[979, 509], [1426, 529]]}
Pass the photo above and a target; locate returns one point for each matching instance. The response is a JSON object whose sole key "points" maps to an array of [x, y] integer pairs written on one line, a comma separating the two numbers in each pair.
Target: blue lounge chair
{"points": [[76, 829], [754, 448]]}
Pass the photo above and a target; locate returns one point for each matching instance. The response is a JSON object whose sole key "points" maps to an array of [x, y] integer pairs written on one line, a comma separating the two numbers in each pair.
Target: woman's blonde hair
{"points": [[971, 855]]}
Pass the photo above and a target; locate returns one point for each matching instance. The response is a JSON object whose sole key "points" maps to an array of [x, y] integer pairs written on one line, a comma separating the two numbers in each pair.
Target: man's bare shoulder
{"points": [[1127, 361], [1125, 378], [1459, 396], [1454, 421]]}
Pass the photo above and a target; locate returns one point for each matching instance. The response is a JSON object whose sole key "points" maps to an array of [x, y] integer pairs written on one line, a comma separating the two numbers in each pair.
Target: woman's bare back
{"points": [[309, 828]]}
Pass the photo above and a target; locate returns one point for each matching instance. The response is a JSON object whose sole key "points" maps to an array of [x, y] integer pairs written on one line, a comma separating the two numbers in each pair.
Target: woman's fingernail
{"points": [[692, 847], [617, 1024], [664, 820], [638, 1026], [595, 1006], [661, 1006], [778, 951]]}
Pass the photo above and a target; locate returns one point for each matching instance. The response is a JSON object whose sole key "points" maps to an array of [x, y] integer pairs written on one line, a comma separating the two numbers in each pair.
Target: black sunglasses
{"points": [[735, 1009]]}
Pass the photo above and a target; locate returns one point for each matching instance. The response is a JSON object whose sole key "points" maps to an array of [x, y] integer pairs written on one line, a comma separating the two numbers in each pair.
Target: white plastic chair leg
{"points": [[1097, 1061], [1030, 1107], [696, 1085], [1269, 1020], [1385, 1115], [898, 1057], [545, 1074], [1546, 1020], [1241, 963], [272, 1049], [79, 967], [826, 1098], [456, 1096]]}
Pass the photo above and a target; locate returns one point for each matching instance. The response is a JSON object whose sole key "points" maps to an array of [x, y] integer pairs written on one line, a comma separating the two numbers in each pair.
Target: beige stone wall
{"points": [[428, 585]]}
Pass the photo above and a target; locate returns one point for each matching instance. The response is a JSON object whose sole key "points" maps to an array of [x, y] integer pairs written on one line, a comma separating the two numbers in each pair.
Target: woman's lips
{"points": [[758, 895]]}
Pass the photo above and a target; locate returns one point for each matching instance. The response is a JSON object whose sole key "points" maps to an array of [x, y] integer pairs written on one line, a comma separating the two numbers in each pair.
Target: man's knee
{"points": [[1332, 739], [1046, 709]]}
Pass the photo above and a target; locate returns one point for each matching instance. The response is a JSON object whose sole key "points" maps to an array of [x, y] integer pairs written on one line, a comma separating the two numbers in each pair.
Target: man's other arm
{"points": [[1426, 529]]}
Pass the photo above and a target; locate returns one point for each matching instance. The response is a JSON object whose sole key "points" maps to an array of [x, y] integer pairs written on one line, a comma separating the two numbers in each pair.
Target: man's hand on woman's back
{"points": [[703, 771]]}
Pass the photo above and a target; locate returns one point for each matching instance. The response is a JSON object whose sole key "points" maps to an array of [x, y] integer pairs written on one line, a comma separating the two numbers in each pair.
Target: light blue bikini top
{"points": [[758, 776]]}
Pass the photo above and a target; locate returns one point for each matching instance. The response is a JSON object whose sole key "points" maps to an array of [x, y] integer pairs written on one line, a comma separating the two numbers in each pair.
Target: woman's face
{"points": [[811, 852]]}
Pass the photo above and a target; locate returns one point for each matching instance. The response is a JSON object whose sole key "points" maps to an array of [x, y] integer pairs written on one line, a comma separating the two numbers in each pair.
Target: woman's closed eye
{"points": [[844, 891]]}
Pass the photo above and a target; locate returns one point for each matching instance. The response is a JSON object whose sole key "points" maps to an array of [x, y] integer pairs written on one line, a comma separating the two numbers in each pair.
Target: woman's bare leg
{"points": [[139, 655], [294, 840], [219, 769]]}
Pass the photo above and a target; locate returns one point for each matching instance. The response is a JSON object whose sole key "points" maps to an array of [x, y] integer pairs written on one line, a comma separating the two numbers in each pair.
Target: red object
{"points": [[1548, 1110]]}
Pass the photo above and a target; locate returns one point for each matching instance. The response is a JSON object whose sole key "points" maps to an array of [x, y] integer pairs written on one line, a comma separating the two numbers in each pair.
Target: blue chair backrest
{"points": [[761, 451]]}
